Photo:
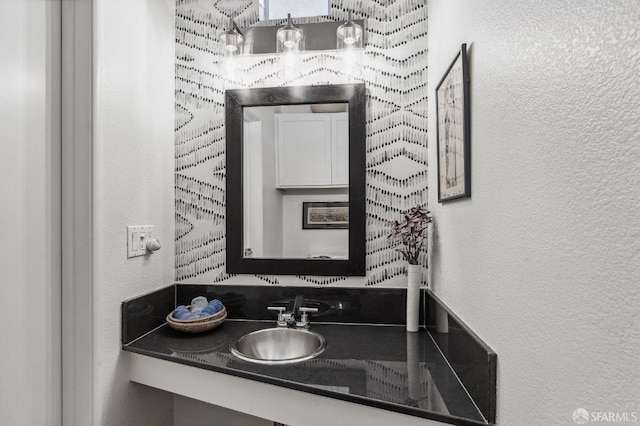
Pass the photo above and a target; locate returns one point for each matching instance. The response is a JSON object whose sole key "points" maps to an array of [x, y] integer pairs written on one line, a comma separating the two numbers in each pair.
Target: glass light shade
{"points": [[349, 35], [232, 39], [288, 37]]}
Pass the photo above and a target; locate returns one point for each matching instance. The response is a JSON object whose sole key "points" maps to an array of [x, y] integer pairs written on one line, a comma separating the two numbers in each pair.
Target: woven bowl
{"points": [[197, 325]]}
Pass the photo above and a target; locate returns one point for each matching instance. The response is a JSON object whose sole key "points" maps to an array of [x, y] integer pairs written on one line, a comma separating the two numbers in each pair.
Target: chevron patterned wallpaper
{"points": [[393, 66]]}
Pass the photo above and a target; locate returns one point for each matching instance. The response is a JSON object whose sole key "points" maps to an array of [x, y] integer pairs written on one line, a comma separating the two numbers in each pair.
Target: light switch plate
{"points": [[137, 237]]}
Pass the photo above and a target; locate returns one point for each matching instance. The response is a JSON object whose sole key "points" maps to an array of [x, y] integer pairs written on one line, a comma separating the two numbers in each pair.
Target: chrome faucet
{"points": [[285, 319], [288, 318]]}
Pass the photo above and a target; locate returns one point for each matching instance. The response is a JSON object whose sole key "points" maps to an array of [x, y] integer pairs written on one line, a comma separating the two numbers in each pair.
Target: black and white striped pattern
{"points": [[394, 68]]}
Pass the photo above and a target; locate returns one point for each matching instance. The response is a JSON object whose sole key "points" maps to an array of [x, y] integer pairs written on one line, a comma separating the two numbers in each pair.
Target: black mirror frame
{"points": [[235, 101]]}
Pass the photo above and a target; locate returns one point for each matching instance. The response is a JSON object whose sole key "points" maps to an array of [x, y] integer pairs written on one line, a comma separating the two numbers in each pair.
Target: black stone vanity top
{"points": [[370, 358]]}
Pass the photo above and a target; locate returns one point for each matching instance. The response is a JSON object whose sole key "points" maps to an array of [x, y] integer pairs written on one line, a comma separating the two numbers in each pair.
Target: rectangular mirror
{"points": [[295, 180]]}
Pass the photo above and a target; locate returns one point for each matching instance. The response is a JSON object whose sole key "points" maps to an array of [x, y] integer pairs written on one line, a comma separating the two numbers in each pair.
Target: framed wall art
{"points": [[453, 130], [331, 215]]}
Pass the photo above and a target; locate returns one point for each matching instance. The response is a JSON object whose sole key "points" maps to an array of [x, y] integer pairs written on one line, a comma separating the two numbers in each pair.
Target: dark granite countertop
{"points": [[383, 366]]}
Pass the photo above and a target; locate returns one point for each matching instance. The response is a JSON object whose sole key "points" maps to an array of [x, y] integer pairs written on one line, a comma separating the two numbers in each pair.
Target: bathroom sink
{"points": [[279, 346]]}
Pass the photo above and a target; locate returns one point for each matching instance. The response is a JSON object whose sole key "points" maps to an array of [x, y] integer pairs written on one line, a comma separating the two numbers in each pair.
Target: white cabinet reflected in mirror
{"points": [[296, 155]]}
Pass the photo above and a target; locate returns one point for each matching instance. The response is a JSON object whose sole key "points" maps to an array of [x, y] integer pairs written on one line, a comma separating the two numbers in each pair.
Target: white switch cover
{"points": [[137, 237]]}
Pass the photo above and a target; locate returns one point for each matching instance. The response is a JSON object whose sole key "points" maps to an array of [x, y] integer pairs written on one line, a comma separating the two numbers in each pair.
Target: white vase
{"points": [[413, 296]]}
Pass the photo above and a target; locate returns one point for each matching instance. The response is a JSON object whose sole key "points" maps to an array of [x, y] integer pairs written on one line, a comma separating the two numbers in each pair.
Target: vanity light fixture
{"points": [[349, 35], [232, 39], [288, 38]]}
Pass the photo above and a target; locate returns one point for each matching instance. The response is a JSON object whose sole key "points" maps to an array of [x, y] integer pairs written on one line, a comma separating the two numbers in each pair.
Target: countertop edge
{"points": [[142, 375]]}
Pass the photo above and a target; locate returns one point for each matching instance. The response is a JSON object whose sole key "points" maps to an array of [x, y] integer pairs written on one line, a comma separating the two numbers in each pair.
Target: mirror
{"points": [[296, 180]]}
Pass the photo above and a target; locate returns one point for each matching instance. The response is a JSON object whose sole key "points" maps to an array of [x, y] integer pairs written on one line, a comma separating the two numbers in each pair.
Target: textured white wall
{"points": [[133, 185], [30, 213], [543, 260]]}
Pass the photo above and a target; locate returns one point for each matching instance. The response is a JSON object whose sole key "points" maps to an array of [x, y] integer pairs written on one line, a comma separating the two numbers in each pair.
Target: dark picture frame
{"points": [[453, 120], [325, 215]]}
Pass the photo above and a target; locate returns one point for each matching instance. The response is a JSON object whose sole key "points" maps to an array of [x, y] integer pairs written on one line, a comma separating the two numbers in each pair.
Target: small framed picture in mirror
{"points": [[329, 215]]}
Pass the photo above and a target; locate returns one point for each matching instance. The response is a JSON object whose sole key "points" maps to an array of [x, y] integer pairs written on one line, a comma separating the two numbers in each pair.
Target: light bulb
{"points": [[232, 39], [288, 37], [349, 35]]}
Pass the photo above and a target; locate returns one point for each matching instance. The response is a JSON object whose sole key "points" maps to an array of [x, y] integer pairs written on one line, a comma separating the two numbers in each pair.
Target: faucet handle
{"points": [[280, 310], [304, 318]]}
